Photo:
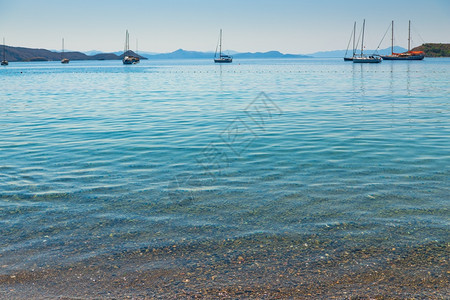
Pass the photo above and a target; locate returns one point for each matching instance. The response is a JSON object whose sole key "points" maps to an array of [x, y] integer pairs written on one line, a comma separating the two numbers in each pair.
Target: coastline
{"points": [[260, 266]]}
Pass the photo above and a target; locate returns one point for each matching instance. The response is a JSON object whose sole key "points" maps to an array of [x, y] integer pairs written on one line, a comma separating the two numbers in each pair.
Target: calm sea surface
{"points": [[99, 158]]}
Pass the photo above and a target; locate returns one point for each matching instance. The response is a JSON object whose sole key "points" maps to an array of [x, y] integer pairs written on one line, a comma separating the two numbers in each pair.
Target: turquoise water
{"points": [[100, 158]]}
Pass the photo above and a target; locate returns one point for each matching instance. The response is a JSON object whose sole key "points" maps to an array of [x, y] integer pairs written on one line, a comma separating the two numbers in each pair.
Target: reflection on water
{"points": [[97, 158]]}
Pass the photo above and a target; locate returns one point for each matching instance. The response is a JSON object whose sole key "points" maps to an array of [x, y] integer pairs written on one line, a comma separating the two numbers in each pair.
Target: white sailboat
{"points": [[354, 47], [362, 58], [222, 57]]}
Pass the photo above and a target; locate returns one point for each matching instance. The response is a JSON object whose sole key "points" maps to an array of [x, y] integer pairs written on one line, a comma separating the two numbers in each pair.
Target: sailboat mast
{"points": [[220, 44], [392, 39], [354, 36], [4, 50], [127, 42], [409, 36], [62, 53], [362, 41]]}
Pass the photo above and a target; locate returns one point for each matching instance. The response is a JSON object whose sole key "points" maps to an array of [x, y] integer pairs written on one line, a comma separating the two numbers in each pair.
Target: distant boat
{"points": [[4, 61], [222, 58], [63, 60], [362, 58], [409, 55], [354, 49], [129, 59]]}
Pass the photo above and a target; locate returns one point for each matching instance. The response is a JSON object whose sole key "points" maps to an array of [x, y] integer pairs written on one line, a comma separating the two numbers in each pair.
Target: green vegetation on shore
{"points": [[14, 54], [434, 50]]}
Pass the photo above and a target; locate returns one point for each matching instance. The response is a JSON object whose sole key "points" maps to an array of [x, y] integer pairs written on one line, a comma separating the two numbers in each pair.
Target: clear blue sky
{"points": [[290, 26]]}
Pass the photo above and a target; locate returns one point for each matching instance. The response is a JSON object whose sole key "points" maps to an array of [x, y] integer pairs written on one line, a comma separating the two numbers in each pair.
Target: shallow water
{"points": [[97, 158]]}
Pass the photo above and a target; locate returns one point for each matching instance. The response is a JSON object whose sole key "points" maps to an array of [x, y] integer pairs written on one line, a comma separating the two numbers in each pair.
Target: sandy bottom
{"points": [[259, 267]]}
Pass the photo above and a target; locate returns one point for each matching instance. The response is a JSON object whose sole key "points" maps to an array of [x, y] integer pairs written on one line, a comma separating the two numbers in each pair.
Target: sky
{"points": [[289, 26]]}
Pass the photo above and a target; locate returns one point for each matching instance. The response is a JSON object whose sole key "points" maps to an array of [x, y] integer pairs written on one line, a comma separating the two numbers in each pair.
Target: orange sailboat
{"points": [[408, 55]]}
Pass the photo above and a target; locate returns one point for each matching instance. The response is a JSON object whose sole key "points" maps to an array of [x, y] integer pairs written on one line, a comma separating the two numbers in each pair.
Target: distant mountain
{"points": [[434, 50], [341, 53], [270, 54], [105, 56], [29, 54], [141, 53], [92, 52], [131, 53], [231, 52], [184, 54], [146, 53]]}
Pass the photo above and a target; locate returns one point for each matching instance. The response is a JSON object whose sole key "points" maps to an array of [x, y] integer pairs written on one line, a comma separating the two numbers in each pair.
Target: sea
{"points": [[100, 160]]}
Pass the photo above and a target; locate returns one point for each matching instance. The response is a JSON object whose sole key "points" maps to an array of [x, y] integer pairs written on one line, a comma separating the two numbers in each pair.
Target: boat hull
{"points": [[396, 57], [65, 61], [367, 60], [130, 60], [4, 63], [223, 60], [348, 58]]}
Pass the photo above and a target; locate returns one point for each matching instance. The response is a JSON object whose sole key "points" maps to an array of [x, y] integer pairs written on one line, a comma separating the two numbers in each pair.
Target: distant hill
{"points": [[184, 54], [434, 50], [105, 56], [341, 53], [28, 54], [270, 54], [129, 53], [119, 53]]}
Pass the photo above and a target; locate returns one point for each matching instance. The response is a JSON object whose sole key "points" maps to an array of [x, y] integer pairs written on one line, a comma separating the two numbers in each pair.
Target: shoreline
{"points": [[249, 267]]}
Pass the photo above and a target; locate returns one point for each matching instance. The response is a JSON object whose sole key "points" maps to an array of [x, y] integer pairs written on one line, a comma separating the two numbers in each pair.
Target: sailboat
{"points": [[63, 60], [362, 58], [4, 61], [409, 55], [354, 49], [222, 57], [129, 59]]}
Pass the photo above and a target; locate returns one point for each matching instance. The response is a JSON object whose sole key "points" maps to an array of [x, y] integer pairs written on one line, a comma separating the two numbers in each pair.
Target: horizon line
{"points": [[200, 51]]}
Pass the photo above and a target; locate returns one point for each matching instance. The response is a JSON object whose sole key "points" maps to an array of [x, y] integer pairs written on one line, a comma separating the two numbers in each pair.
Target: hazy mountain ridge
{"points": [[182, 54], [341, 53], [14, 54], [29, 54], [185, 54], [270, 54]]}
